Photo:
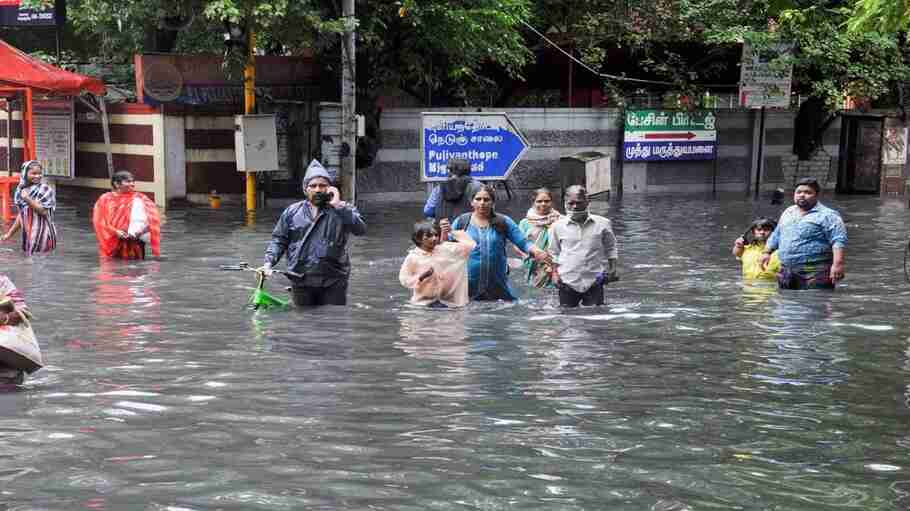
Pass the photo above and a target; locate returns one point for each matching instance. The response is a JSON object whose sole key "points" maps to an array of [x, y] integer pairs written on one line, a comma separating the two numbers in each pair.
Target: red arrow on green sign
{"points": [[686, 136]]}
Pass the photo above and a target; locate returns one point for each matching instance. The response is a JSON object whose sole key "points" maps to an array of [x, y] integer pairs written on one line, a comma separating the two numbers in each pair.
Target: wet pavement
{"points": [[688, 390]]}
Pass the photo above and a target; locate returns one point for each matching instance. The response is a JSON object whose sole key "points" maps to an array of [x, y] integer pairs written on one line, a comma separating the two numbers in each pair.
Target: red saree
{"points": [[112, 213]]}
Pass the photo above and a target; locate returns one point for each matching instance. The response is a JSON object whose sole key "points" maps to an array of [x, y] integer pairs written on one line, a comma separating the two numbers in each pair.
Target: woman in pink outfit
{"points": [[437, 271]]}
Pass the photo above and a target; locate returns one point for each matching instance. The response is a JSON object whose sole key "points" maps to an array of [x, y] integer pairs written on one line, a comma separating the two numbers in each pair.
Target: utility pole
{"points": [[249, 107], [348, 104]]}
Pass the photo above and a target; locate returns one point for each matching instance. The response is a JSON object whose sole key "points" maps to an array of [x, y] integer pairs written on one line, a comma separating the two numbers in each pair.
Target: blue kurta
{"points": [[809, 238], [488, 269]]}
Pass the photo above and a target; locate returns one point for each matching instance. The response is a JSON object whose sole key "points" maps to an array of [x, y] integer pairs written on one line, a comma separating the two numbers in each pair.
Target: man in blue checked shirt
{"points": [[809, 240]]}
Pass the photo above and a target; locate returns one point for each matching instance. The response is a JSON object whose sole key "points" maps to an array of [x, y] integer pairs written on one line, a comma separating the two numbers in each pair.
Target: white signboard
{"points": [[759, 84], [894, 150], [55, 128]]}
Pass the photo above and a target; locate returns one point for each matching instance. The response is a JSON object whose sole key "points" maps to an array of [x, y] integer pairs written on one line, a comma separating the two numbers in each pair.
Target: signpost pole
{"points": [[760, 151], [106, 131], [29, 119], [9, 139], [348, 105], [249, 106]]}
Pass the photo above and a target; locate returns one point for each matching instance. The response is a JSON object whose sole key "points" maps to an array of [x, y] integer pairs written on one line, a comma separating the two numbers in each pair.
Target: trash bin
{"points": [[591, 169]]}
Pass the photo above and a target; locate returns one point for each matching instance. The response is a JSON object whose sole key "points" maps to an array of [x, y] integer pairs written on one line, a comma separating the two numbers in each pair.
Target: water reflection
{"points": [[127, 307], [434, 334], [688, 390], [757, 294]]}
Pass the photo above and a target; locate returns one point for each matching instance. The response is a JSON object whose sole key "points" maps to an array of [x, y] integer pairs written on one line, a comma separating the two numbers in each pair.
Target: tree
{"points": [[833, 62], [887, 16], [659, 41], [829, 61], [440, 51], [433, 49], [462, 52]]}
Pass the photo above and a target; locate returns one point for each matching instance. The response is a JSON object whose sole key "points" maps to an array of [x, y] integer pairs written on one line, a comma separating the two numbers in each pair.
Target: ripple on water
{"points": [[687, 390]]}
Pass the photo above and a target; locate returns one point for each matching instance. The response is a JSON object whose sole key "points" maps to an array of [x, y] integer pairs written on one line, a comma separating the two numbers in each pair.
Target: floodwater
{"points": [[688, 390]]}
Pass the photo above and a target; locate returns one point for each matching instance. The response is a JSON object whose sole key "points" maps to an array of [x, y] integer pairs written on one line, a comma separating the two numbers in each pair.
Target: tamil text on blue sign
{"points": [[489, 141], [659, 135]]}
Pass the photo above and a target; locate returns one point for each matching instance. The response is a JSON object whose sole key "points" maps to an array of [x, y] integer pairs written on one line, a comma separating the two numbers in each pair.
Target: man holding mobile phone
{"points": [[314, 235]]}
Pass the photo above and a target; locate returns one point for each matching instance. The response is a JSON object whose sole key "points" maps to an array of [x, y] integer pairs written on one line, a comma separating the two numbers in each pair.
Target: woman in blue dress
{"points": [[488, 273]]}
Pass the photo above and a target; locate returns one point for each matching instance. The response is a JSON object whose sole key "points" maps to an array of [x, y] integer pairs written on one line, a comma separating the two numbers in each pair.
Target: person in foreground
{"points": [[749, 252], [437, 271], [314, 235], [584, 252], [126, 221], [36, 202], [16, 352], [488, 272], [809, 239], [536, 226]]}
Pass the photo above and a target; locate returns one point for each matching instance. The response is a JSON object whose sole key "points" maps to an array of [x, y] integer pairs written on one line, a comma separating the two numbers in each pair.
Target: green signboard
{"points": [[662, 135]]}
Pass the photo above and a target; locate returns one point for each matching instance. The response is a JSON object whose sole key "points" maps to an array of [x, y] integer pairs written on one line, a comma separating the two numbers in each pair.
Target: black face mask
{"points": [[321, 199]]}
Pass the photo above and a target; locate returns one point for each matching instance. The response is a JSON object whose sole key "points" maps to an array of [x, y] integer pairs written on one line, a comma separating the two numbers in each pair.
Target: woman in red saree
{"points": [[126, 220]]}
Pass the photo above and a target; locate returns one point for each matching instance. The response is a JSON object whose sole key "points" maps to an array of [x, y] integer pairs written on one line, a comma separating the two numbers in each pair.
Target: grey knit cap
{"points": [[315, 169]]}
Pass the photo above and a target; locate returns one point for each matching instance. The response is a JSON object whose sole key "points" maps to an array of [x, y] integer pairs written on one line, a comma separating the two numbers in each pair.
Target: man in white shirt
{"points": [[584, 252]]}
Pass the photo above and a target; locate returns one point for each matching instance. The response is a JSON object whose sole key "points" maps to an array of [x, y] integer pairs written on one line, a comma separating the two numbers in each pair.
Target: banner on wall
{"points": [[55, 141], [199, 80], [894, 148]]}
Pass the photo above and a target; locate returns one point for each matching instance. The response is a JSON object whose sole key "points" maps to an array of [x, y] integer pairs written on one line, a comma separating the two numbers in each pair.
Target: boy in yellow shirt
{"points": [[750, 251]]}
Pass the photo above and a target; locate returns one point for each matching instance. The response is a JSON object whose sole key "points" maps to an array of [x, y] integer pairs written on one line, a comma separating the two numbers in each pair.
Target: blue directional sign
{"points": [[488, 140]]}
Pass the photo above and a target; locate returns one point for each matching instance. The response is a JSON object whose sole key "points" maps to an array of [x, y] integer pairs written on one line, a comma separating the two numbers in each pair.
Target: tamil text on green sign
{"points": [[661, 135]]}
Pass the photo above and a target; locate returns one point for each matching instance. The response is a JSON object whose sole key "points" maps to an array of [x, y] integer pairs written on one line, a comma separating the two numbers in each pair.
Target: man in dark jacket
{"points": [[314, 235], [452, 198]]}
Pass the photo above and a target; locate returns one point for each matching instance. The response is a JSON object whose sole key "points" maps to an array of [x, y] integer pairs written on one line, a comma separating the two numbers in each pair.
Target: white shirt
{"points": [[138, 220], [582, 251]]}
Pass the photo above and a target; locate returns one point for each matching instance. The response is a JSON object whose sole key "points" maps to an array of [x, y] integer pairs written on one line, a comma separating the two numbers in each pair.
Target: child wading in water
{"points": [[749, 251], [437, 271]]}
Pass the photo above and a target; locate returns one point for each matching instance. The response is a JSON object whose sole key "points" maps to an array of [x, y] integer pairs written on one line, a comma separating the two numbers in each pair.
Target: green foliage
{"points": [[438, 50], [829, 60], [887, 16], [464, 51], [833, 62], [37, 4], [433, 48]]}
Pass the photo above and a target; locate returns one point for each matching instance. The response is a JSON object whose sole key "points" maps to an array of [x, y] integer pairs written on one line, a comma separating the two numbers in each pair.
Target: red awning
{"points": [[19, 70]]}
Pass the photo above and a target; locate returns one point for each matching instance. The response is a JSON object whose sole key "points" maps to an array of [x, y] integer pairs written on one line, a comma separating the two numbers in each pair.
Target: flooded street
{"points": [[688, 390]]}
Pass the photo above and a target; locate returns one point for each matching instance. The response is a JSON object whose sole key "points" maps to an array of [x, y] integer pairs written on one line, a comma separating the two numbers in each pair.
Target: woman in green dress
{"points": [[535, 227]]}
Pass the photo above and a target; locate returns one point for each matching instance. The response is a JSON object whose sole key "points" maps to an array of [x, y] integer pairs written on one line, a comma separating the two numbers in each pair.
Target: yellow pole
{"points": [[249, 106]]}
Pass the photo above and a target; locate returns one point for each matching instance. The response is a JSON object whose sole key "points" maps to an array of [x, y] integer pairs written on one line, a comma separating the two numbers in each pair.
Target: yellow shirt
{"points": [[752, 268]]}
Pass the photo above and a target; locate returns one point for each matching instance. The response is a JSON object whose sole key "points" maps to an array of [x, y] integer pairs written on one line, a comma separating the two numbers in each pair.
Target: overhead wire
{"points": [[607, 76]]}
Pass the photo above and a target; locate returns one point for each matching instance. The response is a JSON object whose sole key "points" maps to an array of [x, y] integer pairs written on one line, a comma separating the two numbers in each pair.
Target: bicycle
{"points": [[260, 298]]}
